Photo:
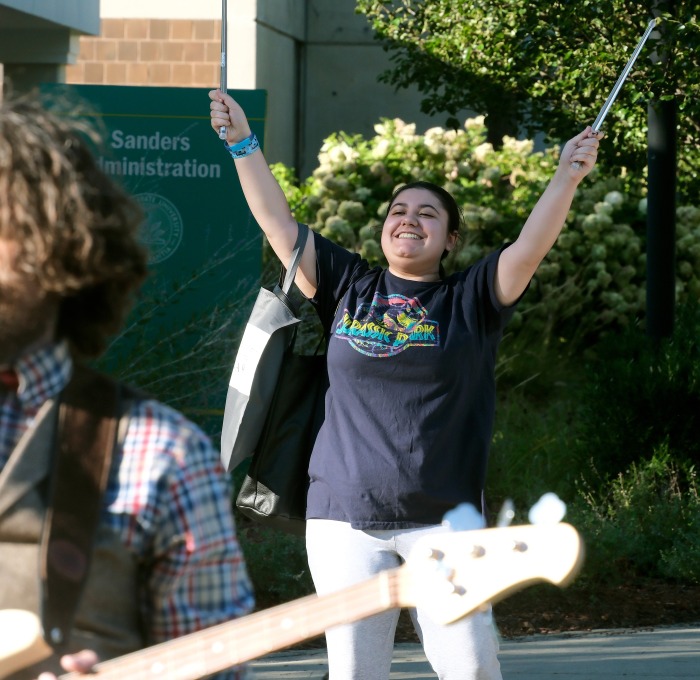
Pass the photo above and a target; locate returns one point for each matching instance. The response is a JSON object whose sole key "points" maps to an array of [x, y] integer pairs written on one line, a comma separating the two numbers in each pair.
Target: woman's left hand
{"points": [[580, 153]]}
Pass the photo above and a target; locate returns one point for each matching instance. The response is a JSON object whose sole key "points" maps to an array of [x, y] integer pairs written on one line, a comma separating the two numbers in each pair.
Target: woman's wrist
{"points": [[244, 147], [239, 134]]}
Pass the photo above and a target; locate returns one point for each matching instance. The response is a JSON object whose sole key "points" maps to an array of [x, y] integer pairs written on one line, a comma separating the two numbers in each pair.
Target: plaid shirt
{"points": [[166, 481]]}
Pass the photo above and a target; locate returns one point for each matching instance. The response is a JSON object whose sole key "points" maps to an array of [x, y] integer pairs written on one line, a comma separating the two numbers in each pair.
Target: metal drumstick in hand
{"points": [[618, 85], [223, 86]]}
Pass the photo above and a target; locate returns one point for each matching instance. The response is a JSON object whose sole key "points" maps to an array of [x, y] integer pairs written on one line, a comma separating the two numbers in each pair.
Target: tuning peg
{"points": [[436, 555], [506, 514], [445, 584], [550, 509], [465, 517]]}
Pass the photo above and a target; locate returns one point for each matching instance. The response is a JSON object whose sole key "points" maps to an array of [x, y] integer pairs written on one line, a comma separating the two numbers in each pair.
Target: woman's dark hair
{"points": [[76, 229]]}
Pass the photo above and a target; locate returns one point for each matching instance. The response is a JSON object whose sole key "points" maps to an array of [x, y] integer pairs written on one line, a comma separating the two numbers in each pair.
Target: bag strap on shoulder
{"points": [[287, 279], [86, 435]]}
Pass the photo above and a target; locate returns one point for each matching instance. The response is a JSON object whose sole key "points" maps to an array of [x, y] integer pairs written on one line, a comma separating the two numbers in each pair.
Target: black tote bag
{"points": [[268, 335], [274, 489], [274, 408]]}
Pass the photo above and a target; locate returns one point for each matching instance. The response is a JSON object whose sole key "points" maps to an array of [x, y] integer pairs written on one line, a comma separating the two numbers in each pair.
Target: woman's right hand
{"points": [[262, 192], [226, 112]]}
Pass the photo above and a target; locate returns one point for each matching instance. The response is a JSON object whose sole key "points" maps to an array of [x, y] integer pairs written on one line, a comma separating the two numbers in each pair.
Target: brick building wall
{"points": [[156, 52]]}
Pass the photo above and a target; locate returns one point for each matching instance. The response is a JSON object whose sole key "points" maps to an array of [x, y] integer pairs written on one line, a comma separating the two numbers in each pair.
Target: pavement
{"points": [[664, 653]]}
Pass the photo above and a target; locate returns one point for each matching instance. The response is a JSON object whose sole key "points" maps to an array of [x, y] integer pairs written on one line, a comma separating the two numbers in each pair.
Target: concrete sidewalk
{"points": [[664, 653]]}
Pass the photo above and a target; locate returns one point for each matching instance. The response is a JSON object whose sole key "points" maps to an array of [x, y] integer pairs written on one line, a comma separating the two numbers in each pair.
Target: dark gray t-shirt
{"points": [[410, 408]]}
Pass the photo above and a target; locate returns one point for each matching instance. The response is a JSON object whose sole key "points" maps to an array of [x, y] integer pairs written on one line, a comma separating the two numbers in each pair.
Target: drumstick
{"points": [[224, 82], [618, 85]]}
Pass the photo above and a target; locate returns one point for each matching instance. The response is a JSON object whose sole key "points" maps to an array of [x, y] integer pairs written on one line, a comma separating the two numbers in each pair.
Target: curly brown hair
{"points": [[75, 227]]}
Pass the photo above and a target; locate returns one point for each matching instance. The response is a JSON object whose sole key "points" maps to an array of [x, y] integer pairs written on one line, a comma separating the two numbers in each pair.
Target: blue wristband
{"points": [[243, 148]]}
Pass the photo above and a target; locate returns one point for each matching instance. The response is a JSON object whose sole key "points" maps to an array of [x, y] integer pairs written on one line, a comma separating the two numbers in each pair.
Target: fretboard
{"points": [[233, 643]]}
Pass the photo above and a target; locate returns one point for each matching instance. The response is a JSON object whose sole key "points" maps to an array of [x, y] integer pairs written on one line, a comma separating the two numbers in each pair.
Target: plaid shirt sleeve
{"points": [[170, 499]]}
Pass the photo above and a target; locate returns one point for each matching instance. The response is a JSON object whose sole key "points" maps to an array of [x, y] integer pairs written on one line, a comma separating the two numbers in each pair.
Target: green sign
{"points": [[204, 246]]}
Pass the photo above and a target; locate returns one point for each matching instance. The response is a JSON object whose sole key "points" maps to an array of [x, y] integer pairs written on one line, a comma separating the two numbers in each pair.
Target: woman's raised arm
{"points": [[518, 263], [263, 194]]}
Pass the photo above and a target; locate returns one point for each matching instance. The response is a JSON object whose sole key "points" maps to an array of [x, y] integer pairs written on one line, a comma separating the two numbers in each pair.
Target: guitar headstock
{"points": [[456, 572]]}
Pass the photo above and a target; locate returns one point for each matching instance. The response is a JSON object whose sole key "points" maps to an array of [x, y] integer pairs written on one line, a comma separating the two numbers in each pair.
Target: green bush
{"points": [[531, 450], [276, 562], [640, 395], [646, 522]]}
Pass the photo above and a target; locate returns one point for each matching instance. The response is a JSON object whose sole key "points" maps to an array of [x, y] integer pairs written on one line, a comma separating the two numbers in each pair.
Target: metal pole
{"points": [[223, 85], [661, 219], [623, 76], [661, 202], [620, 82]]}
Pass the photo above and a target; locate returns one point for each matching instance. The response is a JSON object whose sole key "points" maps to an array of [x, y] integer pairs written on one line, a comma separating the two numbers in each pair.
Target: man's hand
{"points": [[81, 662]]}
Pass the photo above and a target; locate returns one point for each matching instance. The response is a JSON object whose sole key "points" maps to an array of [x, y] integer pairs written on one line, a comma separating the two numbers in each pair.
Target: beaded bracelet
{"points": [[243, 148]]}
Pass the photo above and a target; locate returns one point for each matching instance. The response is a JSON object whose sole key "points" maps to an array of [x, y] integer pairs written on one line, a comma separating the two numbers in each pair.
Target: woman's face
{"points": [[415, 235]]}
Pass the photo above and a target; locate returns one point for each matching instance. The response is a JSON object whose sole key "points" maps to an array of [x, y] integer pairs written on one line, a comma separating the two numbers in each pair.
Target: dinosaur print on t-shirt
{"points": [[388, 326]]}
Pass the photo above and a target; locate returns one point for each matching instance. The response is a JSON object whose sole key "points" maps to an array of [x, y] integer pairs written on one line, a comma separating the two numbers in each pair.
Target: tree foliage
{"points": [[549, 66]]}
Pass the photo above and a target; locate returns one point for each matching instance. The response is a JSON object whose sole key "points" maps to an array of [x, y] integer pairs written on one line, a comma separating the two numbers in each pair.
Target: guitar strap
{"points": [[88, 419]]}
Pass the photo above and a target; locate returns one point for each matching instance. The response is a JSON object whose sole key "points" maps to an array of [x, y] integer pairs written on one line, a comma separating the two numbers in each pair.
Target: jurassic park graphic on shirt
{"points": [[388, 326]]}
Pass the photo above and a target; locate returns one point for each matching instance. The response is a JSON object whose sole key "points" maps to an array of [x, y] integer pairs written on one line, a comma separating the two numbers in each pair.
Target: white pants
{"points": [[340, 556]]}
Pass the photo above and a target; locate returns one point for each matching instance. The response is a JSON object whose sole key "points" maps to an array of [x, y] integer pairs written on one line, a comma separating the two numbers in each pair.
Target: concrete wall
{"points": [[37, 39], [77, 15], [266, 48]]}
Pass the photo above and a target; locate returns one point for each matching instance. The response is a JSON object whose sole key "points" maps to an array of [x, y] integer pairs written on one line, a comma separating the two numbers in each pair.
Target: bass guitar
{"points": [[450, 575]]}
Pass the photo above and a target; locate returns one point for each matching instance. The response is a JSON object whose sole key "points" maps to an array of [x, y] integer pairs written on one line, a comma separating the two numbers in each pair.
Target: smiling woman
{"points": [[426, 213], [411, 398]]}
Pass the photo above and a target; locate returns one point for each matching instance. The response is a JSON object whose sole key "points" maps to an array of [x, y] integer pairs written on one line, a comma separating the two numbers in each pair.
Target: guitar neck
{"points": [[233, 643], [449, 575]]}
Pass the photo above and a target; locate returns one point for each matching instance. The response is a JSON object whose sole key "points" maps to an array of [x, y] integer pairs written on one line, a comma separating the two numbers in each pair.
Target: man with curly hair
{"points": [[163, 559]]}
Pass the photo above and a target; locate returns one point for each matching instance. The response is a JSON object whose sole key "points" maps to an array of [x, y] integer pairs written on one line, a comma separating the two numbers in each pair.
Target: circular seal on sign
{"points": [[162, 230]]}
